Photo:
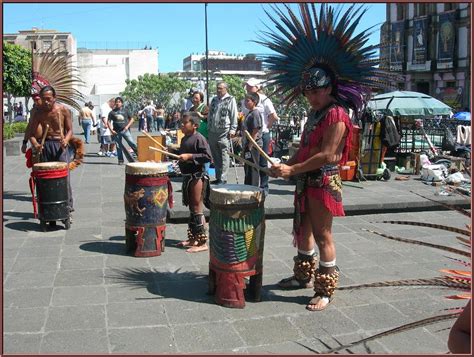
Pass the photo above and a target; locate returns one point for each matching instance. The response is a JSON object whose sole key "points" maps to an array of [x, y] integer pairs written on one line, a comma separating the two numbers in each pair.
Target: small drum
{"points": [[147, 194], [236, 236], [50, 179]]}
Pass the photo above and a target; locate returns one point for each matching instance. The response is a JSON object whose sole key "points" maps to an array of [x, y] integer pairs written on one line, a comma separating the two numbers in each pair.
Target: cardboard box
{"points": [[144, 153]]}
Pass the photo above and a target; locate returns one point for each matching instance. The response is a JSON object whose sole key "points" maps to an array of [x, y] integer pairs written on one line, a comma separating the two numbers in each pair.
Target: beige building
{"points": [[42, 40]]}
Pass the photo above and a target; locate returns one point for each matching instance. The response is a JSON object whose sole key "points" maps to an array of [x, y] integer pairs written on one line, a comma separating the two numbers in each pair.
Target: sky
{"points": [[176, 30]]}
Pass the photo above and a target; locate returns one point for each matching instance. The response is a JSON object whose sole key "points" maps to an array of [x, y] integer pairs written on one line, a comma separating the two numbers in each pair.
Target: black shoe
{"points": [[216, 182], [120, 162]]}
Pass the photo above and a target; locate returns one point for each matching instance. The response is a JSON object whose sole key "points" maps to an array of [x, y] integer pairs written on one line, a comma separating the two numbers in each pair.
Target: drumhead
{"points": [[53, 165], [146, 168], [235, 194]]}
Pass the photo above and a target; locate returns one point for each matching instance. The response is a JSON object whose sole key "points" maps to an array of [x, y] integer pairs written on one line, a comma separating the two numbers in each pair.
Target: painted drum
{"points": [[50, 180], [236, 236], [147, 195]]}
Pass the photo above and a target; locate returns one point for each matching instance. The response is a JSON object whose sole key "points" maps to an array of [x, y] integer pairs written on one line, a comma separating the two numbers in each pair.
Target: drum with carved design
{"points": [[147, 195], [236, 236], [51, 201]]}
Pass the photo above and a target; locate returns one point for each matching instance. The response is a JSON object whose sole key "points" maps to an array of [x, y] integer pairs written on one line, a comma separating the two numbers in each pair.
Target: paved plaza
{"points": [[77, 291]]}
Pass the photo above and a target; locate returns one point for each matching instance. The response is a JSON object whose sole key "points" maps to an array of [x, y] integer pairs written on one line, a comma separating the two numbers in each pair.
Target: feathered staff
{"points": [[55, 69], [327, 42]]}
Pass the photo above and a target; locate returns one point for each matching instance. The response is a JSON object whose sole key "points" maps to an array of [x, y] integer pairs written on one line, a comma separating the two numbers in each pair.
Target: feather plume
{"points": [[447, 205], [327, 40], [431, 225], [437, 282], [406, 327], [413, 241], [55, 69]]}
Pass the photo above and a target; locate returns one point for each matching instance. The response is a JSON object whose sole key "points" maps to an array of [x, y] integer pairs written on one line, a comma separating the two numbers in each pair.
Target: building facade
{"points": [[42, 40], [105, 71], [429, 44], [221, 61]]}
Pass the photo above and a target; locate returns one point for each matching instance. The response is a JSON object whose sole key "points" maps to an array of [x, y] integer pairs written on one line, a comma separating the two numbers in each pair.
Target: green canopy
{"points": [[405, 103]]}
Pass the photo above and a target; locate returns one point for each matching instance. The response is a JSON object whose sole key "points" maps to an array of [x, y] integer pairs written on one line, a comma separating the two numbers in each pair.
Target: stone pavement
{"points": [[77, 291]]}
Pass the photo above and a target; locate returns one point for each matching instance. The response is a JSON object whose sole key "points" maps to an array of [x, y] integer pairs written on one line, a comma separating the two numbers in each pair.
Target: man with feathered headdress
{"points": [[54, 80], [318, 57]]}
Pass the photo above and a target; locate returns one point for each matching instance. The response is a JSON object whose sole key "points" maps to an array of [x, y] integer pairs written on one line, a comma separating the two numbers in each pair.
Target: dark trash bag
{"points": [[449, 142], [390, 135]]}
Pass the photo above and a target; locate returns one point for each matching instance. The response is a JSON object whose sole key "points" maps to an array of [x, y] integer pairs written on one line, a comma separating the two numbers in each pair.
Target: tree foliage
{"points": [[16, 70], [165, 89]]}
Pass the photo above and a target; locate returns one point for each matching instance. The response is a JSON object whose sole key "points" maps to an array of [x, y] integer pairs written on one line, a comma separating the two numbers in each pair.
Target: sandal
{"points": [[293, 283], [316, 299]]}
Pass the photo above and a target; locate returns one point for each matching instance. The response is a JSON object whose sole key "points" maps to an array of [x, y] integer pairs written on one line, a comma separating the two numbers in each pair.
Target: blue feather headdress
{"points": [[326, 42]]}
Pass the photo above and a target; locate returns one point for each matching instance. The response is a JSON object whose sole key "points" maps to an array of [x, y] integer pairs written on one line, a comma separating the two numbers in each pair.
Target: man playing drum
{"points": [[60, 130]]}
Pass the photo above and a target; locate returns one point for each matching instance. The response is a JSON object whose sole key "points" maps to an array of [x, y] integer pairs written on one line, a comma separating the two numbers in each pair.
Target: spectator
{"points": [[160, 117], [107, 146], [86, 119], [222, 123], [119, 122], [267, 110]]}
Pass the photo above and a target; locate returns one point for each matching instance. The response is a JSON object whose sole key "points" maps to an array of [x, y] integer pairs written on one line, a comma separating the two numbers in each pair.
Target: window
{"points": [[421, 9], [400, 12], [451, 84], [448, 6], [47, 45], [33, 45], [62, 46], [401, 86]]}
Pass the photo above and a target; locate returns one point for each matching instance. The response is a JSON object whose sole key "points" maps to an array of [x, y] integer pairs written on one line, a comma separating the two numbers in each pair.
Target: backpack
{"points": [[390, 135]]}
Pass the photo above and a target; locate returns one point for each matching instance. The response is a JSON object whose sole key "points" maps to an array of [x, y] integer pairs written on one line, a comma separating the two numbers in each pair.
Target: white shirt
{"points": [[265, 107], [104, 113]]}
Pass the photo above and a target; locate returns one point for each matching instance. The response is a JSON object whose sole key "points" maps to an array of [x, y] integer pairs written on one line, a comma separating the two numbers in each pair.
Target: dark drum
{"points": [[50, 179], [146, 197]]}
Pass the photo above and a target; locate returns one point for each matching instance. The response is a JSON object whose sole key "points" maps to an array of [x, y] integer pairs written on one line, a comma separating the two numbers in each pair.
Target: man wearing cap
{"points": [[267, 110], [221, 123]]}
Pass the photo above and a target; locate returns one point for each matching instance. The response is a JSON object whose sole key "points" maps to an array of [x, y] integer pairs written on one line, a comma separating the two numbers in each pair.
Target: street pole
{"points": [[207, 56]]}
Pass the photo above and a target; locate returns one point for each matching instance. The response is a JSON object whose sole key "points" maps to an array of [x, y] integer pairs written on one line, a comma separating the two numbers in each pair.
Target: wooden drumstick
{"points": [[259, 149], [45, 133], [156, 142], [246, 162], [164, 152]]}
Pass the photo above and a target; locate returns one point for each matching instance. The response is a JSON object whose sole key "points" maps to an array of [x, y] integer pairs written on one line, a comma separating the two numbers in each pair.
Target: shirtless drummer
{"points": [[60, 130]]}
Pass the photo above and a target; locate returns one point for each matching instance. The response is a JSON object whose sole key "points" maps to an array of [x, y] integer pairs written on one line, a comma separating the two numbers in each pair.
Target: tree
{"points": [[16, 73], [168, 90]]}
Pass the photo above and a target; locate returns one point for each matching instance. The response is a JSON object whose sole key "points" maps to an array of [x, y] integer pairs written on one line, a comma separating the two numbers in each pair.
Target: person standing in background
{"points": [[267, 110], [86, 119], [222, 125]]}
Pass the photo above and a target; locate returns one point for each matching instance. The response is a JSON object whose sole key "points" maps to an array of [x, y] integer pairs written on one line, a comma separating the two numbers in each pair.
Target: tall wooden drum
{"points": [[50, 179], [236, 236], [147, 195]]}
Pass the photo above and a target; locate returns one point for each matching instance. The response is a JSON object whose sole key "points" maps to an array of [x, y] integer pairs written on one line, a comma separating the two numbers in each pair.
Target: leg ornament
{"points": [[325, 282], [304, 270]]}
